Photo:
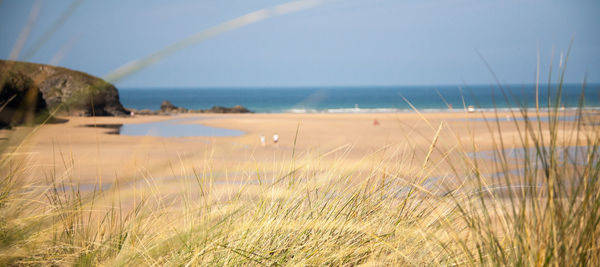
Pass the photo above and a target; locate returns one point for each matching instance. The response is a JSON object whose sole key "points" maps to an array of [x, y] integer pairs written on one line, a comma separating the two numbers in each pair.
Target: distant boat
{"points": [[470, 109]]}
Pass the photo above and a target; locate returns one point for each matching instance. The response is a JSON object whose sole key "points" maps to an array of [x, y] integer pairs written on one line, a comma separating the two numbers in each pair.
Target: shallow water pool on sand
{"points": [[577, 155], [169, 128]]}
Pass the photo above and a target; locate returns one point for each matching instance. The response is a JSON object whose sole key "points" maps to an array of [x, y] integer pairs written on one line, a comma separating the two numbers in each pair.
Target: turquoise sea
{"points": [[362, 99]]}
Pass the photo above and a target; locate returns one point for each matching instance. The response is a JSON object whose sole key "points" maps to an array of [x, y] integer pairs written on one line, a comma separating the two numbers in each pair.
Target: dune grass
{"points": [[309, 213]]}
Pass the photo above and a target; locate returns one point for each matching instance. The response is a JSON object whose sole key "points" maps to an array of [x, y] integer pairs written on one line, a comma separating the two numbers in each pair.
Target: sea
{"points": [[367, 99]]}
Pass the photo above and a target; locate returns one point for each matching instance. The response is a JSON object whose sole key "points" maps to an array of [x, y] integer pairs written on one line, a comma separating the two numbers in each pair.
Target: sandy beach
{"points": [[90, 155], [402, 171]]}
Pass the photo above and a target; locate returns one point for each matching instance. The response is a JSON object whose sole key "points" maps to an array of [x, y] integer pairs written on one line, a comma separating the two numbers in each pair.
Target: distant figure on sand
{"points": [[375, 122], [275, 138], [262, 140]]}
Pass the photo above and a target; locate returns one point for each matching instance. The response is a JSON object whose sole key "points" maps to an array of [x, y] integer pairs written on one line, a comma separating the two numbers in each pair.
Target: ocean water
{"points": [[362, 99]]}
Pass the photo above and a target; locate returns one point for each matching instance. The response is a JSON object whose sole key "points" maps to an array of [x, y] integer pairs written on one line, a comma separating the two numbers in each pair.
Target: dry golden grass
{"points": [[323, 210]]}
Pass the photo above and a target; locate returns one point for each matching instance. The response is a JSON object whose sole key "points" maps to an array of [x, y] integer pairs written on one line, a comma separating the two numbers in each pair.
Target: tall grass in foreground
{"points": [[306, 216], [306, 213], [547, 212]]}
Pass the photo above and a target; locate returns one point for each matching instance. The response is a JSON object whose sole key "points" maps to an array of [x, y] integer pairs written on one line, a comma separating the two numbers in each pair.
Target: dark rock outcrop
{"points": [[64, 91], [144, 112], [166, 107], [20, 99], [235, 109]]}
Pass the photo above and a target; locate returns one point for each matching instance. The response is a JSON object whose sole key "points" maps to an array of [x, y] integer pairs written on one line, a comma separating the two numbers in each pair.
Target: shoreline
{"points": [[392, 111]]}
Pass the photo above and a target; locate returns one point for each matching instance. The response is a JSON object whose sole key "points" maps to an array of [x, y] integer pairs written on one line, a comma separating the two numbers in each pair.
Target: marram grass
{"points": [[304, 213]]}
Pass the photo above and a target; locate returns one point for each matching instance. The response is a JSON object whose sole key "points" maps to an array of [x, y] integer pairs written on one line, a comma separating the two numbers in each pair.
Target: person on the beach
{"points": [[275, 138], [262, 140]]}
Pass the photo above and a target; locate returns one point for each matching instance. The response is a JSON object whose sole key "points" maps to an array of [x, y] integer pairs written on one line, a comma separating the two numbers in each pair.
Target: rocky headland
{"points": [[30, 90]]}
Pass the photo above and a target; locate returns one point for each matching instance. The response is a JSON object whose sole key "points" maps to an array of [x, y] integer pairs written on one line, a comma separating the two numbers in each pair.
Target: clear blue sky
{"points": [[352, 42]]}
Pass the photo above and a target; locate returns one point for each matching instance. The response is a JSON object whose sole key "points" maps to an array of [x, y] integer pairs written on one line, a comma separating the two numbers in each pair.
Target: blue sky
{"points": [[339, 43]]}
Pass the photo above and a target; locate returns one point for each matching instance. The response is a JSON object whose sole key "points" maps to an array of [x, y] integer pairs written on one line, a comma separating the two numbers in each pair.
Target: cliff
{"points": [[37, 87]]}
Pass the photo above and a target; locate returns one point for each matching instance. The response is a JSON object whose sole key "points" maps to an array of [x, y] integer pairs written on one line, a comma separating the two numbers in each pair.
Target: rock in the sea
{"points": [[65, 91], [235, 109], [168, 107], [239, 109]]}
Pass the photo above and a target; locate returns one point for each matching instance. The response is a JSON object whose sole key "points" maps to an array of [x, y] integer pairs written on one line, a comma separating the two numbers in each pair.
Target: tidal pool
{"points": [[573, 154], [168, 128]]}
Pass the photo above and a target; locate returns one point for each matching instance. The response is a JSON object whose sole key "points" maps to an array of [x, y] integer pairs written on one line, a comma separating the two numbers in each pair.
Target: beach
{"points": [[92, 155], [299, 133], [381, 180]]}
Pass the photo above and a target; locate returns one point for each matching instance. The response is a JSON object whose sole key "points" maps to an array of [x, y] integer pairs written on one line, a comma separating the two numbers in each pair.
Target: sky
{"points": [[336, 43]]}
